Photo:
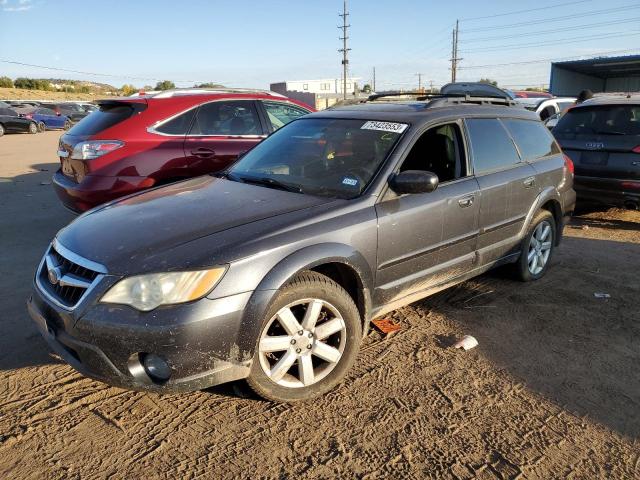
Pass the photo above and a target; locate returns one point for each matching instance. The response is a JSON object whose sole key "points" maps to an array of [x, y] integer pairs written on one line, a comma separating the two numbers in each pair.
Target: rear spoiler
{"points": [[138, 104]]}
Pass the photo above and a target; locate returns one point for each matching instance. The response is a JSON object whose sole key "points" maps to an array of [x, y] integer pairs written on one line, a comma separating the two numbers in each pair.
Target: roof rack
{"points": [[449, 98], [208, 91]]}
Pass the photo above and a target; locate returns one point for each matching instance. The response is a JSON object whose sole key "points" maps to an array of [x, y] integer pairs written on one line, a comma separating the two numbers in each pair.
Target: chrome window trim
{"points": [[77, 259], [159, 123]]}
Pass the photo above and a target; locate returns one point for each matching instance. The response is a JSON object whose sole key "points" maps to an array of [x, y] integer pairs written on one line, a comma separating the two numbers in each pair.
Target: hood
{"points": [[126, 232]]}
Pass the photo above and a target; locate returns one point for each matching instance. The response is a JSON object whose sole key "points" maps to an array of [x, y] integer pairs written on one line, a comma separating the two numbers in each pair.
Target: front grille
{"points": [[73, 279]]}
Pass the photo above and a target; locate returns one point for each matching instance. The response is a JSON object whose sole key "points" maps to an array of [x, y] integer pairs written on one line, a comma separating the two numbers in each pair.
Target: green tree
{"points": [[128, 89], [165, 85], [366, 88], [209, 85], [6, 82], [488, 81]]}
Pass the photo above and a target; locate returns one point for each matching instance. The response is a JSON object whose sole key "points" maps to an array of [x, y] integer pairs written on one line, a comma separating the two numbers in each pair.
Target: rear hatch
{"points": [[603, 141], [108, 114]]}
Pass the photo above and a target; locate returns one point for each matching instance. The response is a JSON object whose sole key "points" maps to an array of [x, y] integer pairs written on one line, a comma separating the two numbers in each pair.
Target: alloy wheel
{"points": [[539, 247], [302, 343]]}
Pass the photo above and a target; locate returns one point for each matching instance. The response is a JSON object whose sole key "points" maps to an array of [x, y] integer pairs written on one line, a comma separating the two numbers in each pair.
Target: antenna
{"points": [[344, 50]]}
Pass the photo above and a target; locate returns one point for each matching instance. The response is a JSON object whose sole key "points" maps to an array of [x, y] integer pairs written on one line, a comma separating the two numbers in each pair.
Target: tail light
{"points": [[631, 185], [569, 164], [636, 149], [28, 115], [94, 149]]}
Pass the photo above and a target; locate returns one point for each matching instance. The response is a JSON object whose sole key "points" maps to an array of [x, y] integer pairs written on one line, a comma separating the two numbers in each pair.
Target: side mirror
{"points": [[414, 181]]}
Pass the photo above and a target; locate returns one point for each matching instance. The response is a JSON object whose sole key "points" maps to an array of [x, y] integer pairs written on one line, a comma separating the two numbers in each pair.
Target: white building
{"points": [[323, 85]]}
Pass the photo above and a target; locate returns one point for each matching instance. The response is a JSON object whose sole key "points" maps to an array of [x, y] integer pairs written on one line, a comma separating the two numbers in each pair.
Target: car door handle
{"points": [[529, 182], [203, 152], [466, 201]]}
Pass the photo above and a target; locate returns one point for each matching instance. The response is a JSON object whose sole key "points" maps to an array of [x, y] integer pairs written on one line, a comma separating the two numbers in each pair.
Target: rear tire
{"points": [[67, 125], [33, 128], [1, 130], [537, 247], [309, 339]]}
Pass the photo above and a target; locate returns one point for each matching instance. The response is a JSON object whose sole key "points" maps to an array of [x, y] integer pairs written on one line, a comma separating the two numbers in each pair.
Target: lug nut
{"points": [[301, 332], [293, 341], [298, 350], [309, 347], [310, 335]]}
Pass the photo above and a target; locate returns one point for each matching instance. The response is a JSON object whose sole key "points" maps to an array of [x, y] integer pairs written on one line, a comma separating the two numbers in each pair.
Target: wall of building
{"points": [[322, 86], [566, 83], [623, 84]]}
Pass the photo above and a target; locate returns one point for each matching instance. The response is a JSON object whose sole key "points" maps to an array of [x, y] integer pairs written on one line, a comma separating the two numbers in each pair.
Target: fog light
{"points": [[156, 367]]}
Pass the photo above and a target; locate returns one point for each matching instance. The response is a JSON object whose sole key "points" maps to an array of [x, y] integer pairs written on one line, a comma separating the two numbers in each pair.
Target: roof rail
{"points": [[204, 91], [448, 97]]}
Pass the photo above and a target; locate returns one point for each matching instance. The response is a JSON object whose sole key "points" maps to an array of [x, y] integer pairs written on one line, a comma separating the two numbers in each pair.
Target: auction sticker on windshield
{"points": [[385, 126]]}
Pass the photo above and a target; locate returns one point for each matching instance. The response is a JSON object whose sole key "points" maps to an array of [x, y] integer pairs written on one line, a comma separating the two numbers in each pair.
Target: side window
{"points": [[533, 139], [226, 118], [491, 145], [282, 113], [179, 125], [438, 150]]}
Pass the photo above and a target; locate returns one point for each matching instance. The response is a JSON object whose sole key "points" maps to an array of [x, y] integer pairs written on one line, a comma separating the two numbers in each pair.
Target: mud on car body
{"points": [[272, 270]]}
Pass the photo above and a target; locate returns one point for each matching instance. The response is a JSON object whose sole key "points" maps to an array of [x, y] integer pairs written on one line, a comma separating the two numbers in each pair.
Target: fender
{"points": [[548, 193], [303, 259]]}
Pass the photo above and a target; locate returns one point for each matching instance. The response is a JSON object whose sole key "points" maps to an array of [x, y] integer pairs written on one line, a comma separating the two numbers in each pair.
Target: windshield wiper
{"points": [[267, 182]]}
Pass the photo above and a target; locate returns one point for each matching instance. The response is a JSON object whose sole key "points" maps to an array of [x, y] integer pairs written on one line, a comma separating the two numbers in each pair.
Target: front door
{"points": [[426, 240], [221, 131]]}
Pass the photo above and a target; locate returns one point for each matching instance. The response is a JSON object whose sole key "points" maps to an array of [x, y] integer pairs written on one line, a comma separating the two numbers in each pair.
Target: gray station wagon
{"points": [[272, 270]]}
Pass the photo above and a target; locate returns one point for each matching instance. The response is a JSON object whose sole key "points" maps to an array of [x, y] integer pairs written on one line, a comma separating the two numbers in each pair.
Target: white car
{"points": [[546, 107]]}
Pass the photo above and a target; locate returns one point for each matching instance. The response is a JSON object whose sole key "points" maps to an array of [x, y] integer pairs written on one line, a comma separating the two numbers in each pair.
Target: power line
{"points": [[554, 19], [524, 11], [549, 59], [553, 42], [553, 30]]}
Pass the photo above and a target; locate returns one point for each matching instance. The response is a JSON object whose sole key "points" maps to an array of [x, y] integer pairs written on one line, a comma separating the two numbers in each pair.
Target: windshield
{"points": [[602, 120], [320, 156]]}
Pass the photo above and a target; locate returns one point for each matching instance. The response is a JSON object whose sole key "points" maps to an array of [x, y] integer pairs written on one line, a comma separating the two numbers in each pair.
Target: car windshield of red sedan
{"points": [[320, 156]]}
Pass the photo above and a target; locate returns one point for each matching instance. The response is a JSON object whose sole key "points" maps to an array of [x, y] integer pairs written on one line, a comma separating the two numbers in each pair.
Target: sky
{"points": [[253, 43]]}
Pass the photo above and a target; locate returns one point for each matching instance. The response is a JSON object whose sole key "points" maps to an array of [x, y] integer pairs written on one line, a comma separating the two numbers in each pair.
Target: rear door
{"points": [[220, 132], [508, 187], [603, 141]]}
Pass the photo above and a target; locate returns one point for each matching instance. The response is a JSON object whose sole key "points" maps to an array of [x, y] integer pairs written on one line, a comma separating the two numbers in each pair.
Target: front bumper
{"points": [[199, 341], [611, 191], [95, 190]]}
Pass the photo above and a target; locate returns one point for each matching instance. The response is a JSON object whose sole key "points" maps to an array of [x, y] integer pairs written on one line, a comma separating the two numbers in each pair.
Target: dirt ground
{"points": [[552, 390], [22, 94]]}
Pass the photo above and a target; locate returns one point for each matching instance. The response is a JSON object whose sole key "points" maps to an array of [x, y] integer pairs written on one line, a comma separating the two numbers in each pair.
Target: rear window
{"points": [[533, 139], [105, 117], [600, 120], [492, 147]]}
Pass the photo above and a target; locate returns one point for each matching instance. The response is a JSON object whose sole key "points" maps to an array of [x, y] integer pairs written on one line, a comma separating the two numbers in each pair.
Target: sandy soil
{"points": [[552, 390]]}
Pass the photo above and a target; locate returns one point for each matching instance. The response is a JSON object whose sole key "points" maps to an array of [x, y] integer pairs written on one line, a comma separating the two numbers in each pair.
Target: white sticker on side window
{"points": [[385, 126]]}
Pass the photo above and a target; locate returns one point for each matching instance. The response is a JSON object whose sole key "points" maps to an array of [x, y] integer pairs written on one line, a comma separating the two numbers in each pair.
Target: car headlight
{"points": [[146, 292]]}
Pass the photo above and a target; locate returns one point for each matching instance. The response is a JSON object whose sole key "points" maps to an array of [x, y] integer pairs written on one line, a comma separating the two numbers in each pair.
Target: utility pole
{"points": [[454, 53], [430, 86], [419, 75], [373, 87], [344, 50]]}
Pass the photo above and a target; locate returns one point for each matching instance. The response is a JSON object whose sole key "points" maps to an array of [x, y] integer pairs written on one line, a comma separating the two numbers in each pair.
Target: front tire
{"points": [[1, 130], [67, 125], [33, 128], [309, 339], [537, 247]]}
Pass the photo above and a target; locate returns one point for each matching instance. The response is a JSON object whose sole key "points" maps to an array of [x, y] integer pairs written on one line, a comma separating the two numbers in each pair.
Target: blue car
{"points": [[47, 117]]}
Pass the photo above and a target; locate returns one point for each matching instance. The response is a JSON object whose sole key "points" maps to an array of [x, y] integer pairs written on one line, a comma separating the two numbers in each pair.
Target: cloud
{"points": [[16, 5]]}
